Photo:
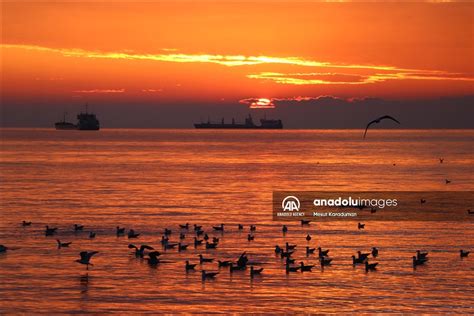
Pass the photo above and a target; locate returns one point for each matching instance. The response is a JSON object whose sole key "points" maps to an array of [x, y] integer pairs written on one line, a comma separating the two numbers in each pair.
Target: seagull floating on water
{"points": [[197, 242], [91, 235], [360, 226], [418, 261], [120, 231], [289, 247], [370, 266], [25, 223], [50, 231], [325, 261], [185, 226], [378, 121], [250, 237], [78, 227], [322, 253], [208, 275], [375, 252], [203, 260], [308, 237], [309, 250], [189, 266], [132, 234], [463, 253], [421, 255], [291, 268], [305, 222], [361, 255], [63, 244], [358, 260], [254, 272], [447, 181], [219, 228], [278, 249], [225, 263], [306, 268], [211, 245]]}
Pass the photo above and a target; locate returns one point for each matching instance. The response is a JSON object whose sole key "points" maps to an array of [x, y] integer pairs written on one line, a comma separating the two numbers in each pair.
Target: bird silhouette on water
{"points": [[375, 252], [185, 226], [182, 247], [463, 253], [197, 242], [132, 234], [322, 253], [153, 258], [306, 268], [254, 272], [418, 261], [189, 266], [140, 252], [204, 260], [50, 231], [86, 257], [63, 244], [370, 266], [219, 228], [120, 231], [208, 275]]}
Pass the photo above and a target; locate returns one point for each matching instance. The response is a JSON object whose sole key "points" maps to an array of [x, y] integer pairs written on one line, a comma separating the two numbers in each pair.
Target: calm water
{"points": [[152, 179]]}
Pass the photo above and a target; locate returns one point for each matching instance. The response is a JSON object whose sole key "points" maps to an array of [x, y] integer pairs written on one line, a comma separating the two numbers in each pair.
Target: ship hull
{"points": [[64, 126], [235, 126]]}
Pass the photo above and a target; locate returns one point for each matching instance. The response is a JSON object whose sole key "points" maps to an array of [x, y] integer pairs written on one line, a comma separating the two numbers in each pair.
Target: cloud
{"points": [[355, 79], [100, 91], [258, 103], [366, 74], [152, 90]]}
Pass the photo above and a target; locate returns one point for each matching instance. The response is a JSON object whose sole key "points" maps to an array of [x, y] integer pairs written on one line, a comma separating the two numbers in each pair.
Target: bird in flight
{"points": [[378, 121], [86, 257]]}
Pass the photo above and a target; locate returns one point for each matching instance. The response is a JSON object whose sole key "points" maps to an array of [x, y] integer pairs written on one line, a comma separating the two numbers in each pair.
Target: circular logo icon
{"points": [[290, 204]]}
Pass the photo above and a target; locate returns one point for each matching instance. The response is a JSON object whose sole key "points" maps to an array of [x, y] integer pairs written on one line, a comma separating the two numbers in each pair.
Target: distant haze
{"points": [[325, 112]]}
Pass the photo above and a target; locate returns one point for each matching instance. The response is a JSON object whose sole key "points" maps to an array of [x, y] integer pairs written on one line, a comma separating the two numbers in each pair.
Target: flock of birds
{"points": [[201, 239]]}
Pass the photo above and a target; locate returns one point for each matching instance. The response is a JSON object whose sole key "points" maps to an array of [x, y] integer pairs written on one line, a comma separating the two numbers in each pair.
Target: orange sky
{"points": [[215, 51]]}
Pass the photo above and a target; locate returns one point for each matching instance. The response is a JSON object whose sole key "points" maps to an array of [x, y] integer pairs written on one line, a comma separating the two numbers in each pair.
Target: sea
{"points": [[151, 179]]}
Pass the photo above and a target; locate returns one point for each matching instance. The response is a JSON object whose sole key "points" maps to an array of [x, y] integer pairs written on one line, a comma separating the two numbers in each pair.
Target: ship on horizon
{"points": [[249, 124], [85, 122]]}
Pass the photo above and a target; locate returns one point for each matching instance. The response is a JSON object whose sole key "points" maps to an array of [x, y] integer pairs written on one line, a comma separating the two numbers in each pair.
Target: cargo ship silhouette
{"points": [[249, 124], [85, 122]]}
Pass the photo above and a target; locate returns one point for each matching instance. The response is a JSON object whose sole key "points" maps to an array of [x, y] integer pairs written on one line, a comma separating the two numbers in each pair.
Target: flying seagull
{"points": [[378, 121]]}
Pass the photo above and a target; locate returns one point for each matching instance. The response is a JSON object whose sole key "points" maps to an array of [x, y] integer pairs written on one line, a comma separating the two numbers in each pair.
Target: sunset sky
{"points": [[219, 58]]}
